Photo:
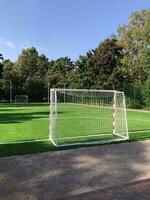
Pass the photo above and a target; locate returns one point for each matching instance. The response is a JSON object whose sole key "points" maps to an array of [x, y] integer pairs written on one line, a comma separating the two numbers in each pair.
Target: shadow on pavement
{"points": [[117, 171]]}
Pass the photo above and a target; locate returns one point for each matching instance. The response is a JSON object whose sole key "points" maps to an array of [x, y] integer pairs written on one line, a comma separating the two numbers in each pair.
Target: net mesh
{"points": [[87, 116]]}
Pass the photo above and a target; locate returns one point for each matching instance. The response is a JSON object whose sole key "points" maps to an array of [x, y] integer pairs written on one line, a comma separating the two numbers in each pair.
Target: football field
{"points": [[30, 122]]}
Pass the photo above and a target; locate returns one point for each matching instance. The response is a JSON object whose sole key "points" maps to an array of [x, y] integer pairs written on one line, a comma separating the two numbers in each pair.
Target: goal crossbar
{"points": [[84, 90]]}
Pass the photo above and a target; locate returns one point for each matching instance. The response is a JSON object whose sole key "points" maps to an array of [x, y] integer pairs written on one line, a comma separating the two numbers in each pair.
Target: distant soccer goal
{"points": [[87, 116], [21, 99]]}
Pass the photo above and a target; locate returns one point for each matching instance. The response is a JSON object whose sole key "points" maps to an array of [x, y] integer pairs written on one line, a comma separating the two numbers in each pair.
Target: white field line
{"points": [[61, 118], [100, 118], [141, 131], [16, 108], [107, 107], [32, 141], [19, 109], [136, 110], [139, 120], [42, 140], [16, 120], [22, 142], [87, 105]]}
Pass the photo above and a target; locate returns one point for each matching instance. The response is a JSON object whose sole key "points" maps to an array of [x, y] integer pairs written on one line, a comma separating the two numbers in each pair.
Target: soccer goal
{"points": [[21, 99], [87, 116]]}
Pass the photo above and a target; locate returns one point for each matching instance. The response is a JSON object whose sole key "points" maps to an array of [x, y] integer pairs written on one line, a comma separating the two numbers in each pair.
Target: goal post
{"points": [[21, 99], [79, 116]]}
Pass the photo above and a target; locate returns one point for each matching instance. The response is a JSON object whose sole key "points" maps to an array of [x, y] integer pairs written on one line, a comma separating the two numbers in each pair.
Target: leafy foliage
{"points": [[135, 38], [1, 66], [60, 72]]}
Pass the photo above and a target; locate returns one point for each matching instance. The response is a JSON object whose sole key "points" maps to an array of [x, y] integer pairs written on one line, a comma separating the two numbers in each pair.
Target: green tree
{"points": [[1, 75], [6, 78], [107, 60], [42, 66], [135, 39], [1, 57], [84, 72], [99, 67], [60, 72], [8, 70], [1, 65], [29, 73], [26, 65]]}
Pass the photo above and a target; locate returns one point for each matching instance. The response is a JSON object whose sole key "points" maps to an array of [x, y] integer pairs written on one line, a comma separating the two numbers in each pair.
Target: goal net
{"points": [[21, 99], [87, 116]]}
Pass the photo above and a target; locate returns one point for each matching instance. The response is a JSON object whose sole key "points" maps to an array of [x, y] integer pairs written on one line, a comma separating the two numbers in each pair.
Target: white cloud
{"points": [[10, 44], [32, 44], [7, 43]]}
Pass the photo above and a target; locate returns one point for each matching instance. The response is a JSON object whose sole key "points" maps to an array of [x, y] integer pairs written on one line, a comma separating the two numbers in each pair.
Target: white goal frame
{"points": [[117, 106], [21, 99]]}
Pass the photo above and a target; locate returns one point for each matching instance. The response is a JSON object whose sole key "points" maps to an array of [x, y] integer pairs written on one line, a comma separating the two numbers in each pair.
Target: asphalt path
{"points": [[117, 171]]}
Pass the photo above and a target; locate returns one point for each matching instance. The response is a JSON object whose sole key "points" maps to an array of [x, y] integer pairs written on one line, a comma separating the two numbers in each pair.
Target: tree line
{"points": [[120, 62]]}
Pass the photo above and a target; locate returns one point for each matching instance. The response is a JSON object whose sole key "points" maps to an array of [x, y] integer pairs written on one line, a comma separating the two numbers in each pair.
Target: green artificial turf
{"points": [[24, 122], [21, 122]]}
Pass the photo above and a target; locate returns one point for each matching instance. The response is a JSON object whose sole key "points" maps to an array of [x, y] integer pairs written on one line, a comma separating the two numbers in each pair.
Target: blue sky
{"points": [[61, 27]]}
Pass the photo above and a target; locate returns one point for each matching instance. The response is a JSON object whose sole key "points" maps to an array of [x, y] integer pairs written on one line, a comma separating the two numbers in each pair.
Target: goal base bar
{"points": [[88, 143], [123, 137]]}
